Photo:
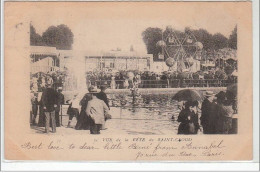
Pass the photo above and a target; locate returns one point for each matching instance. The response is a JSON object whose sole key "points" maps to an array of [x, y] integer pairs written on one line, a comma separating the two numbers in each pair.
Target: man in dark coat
{"points": [[60, 102], [103, 96], [34, 107], [50, 102], [208, 114]]}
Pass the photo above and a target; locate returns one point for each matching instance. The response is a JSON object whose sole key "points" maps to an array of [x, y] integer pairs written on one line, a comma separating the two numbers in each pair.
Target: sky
{"points": [[111, 26]]}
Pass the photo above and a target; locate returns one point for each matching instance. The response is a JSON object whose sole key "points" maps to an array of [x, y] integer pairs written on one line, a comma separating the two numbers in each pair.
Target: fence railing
{"points": [[172, 83], [169, 83]]}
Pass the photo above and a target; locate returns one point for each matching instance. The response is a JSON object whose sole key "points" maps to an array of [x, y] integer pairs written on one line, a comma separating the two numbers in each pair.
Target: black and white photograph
{"points": [[134, 77], [128, 81]]}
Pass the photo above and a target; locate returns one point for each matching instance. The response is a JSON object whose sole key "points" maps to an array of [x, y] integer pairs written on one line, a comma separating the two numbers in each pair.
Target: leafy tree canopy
{"points": [[60, 37], [232, 41], [35, 39]]}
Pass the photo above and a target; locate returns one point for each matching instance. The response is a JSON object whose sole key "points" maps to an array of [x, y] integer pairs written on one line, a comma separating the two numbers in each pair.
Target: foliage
{"points": [[150, 37], [219, 41], [232, 41], [204, 37], [60, 37], [35, 39], [211, 42]]}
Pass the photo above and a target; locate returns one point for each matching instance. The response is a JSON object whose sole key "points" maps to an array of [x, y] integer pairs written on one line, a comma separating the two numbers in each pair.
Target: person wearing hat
{"points": [[103, 96], [49, 102], [84, 121], [97, 110], [113, 82], [208, 114], [73, 109], [225, 114], [60, 102]]}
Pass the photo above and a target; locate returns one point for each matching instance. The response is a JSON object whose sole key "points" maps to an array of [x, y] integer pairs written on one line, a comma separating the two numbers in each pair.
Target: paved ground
{"points": [[116, 126]]}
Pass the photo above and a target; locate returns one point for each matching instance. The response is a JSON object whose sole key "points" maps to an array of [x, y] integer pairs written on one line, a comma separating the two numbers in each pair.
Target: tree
{"points": [[204, 37], [150, 37], [60, 37], [35, 39], [210, 42], [232, 41], [219, 41]]}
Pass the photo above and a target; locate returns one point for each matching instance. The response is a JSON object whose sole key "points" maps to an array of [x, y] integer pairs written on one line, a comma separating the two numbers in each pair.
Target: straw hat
{"points": [[209, 93]]}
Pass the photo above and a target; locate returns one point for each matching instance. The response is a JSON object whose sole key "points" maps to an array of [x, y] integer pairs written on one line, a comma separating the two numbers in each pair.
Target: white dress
{"points": [[113, 83], [126, 84]]}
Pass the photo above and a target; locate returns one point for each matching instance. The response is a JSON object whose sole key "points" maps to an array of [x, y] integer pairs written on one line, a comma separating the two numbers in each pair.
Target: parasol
{"points": [[188, 95]]}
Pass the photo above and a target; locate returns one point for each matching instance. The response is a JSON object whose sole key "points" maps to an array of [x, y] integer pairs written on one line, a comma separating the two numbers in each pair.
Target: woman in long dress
{"points": [[84, 121], [126, 84], [189, 123], [41, 122], [113, 83]]}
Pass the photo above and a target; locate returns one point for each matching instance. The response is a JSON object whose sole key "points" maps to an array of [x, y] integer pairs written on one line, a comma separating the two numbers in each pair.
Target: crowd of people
{"points": [[39, 80], [91, 116], [92, 111], [216, 115], [127, 79]]}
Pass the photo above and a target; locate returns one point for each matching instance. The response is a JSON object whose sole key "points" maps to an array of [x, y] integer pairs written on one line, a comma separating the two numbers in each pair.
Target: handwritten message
{"points": [[140, 148]]}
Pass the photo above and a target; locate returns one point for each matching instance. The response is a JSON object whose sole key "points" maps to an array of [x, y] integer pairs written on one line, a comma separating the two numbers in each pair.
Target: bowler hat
{"points": [[209, 93], [92, 89]]}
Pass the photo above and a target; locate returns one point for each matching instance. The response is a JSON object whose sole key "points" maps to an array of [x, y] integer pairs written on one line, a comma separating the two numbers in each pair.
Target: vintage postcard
{"points": [[128, 81]]}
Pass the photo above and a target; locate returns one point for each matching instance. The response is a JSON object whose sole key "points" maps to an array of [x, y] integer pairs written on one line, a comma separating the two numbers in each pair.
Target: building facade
{"points": [[44, 59], [118, 60]]}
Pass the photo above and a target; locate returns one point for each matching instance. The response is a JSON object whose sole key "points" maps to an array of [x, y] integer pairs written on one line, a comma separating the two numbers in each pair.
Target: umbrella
{"points": [[188, 95], [232, 88]]}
